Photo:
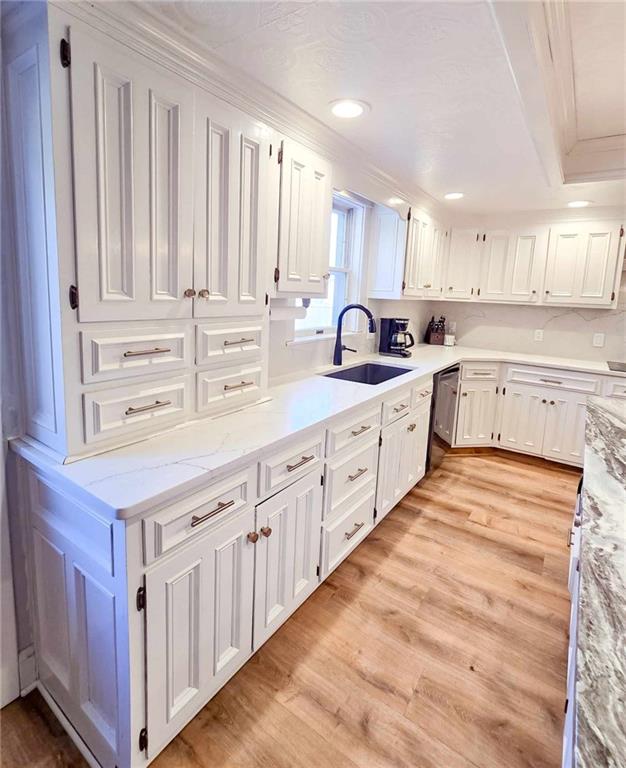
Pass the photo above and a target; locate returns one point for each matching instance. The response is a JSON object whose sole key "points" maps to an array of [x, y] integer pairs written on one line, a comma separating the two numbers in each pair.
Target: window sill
{"points": [[320, 337]]}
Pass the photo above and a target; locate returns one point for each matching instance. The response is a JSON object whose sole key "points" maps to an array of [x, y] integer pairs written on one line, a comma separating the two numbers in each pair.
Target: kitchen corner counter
{"points": [[601, 655]]}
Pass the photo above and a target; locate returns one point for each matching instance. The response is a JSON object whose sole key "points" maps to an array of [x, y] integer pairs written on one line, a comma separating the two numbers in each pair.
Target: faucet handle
{"points": [[347, 349]]}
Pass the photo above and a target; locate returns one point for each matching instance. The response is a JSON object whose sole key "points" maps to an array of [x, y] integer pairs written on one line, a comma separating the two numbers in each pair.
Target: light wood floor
{"points": [[440, 643]]}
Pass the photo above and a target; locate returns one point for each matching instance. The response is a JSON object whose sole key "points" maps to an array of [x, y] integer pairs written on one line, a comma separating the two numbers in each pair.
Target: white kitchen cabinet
{"points": [[583, 260], [523, 419], [304, 221], [198, 624], [287, 553], [132, 130], [564, 438], [389, 234], [461, 264], [418, 250], [445, 408], [476, 413], [231, 160], [512, 265]]}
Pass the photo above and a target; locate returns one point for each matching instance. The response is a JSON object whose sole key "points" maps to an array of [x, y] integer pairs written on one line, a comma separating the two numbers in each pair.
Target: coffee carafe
{"points": [[395, 338]]}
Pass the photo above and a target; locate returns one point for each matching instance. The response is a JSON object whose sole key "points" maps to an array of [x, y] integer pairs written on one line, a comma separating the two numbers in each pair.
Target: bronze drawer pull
{"points": [[221, 506], [230, 387], [481, 373], [235, 343], [551, 381], [357, 528], [140, 352], [304, 460], [357, 474], [570, 534], [399, 408], [266, 531], [411, 427], [357, 432], [130, 411]]}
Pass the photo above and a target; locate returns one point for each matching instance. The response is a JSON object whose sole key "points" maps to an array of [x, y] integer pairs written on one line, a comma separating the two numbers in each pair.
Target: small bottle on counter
{"points": [[449, 340]]}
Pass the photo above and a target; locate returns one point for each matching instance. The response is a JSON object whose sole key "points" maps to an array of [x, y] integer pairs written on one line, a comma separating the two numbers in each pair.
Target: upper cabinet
{"points": [[425, 250], [461, 266], [583, 261], [231, 163], [512, 265], [388, 243], [132, 129], [304, 221]]}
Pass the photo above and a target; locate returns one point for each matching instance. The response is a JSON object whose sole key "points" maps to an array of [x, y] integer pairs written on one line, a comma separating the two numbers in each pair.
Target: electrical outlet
{"points": [[598, 340], [539, 334]]}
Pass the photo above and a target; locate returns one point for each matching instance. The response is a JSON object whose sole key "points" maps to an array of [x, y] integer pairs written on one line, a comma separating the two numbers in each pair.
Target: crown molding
{"points": [[141, 31]]}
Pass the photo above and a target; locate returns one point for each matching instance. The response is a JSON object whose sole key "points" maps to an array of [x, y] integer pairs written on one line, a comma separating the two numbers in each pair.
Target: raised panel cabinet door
{"points": [[523, 419], [433, 262], [304, 221], [476, 414], [391, 481], [132, 134], [461, 264], [198, 624], [287, 554], [495, 263], [389, 233], [527, 256], [414, 447], [418, 249], [564, 437], [232, 158]]}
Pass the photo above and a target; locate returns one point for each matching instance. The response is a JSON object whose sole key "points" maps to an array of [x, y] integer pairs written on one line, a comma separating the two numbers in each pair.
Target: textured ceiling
{"points": [[445, 113]]}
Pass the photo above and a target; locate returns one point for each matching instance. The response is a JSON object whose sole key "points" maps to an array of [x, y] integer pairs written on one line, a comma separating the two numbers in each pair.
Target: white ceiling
{"points": [[445, 113]]}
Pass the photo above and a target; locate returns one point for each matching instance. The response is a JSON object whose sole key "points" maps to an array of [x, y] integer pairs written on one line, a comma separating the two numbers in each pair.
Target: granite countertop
{"points": [[601, 656], [130, 480]]}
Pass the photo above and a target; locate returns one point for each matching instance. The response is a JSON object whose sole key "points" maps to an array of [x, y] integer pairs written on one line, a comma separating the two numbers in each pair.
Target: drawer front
{"points": [[352, 432], [347, 475], [290, 464], [228, 343], [397, 407], [615, 387], [228, 388], [420, 394], [545, 377], [479, 371], [108, 355], [135, 408], [198, 513], [341, 536]]}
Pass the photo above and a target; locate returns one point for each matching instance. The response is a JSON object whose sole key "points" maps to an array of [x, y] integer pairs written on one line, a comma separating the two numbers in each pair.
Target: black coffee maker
{"points": [[395, 338]]}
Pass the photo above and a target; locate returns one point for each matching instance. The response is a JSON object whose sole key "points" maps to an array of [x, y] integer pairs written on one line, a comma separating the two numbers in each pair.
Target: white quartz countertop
{"points": [[128, 481]]}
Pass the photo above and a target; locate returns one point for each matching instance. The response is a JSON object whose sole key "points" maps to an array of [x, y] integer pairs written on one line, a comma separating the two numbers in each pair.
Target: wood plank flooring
{"points": [[439, 643]]}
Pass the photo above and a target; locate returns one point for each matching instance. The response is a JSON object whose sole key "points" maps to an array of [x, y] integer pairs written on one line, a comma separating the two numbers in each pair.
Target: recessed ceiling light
{"points": [[348, 108], [453, 195], [578, 204], [396, 201]]}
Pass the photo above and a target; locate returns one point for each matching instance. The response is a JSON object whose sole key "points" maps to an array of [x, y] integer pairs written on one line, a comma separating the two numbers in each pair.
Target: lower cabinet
{"points": [[287, 554], [476, 417]]}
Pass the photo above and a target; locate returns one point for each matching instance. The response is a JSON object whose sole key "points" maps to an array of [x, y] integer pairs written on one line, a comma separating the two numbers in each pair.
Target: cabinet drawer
{"points": [[347, 475], [615, 387], [420, 394], [545, 377], [397, 407], [352, 431], [228, 343], [110, 355], [479, 371], [135, 407], [228, 388], [341, 536], [198, 513], [290, 464]]}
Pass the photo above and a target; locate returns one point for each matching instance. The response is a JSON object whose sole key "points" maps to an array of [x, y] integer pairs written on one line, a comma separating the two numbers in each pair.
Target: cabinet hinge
{"points": [[317, 570], [408, 216], [566, 706], [497, 389], [270, 150], [499, 433], [143, 739], [73, 297], [403, 285], [484, 238], [492, 435], [375, 513], [267, 299], [477, 236], [504, 390], [472, 292], [276, 274], [612, 295], [322, 480], [65, 52], [621, 231], [280, 156], [380, 440], [478, 292], [140, 600]]}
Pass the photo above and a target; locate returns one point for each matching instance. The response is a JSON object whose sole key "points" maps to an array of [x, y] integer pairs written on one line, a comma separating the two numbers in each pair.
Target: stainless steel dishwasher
{"points": [[442, 414]]}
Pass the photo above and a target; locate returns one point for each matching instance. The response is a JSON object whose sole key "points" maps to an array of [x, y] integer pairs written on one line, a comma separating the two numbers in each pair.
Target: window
{"points": [[346, 227]]}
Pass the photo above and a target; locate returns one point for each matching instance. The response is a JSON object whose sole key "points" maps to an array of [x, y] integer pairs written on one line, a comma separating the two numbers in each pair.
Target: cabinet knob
{"points": [[544, 401], [411, 427], [547, 291], [326, 275], [253, 537], [464, 394], [551, 402], [533, 291], [203, 293], [451, 288], [189, 293], [266, 531]]}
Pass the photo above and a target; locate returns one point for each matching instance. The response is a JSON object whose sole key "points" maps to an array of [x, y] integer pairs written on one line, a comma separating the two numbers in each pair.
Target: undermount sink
{"points": [[369, 373]]}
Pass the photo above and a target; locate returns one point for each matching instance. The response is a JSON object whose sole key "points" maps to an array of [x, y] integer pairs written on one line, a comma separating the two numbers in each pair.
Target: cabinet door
{"points": [[528, 250], [433, 261], [198, 624], [391, 480], [495, 266], [418, 248], [445, 408], [582, 263], [304, 221], [461, 264], [287, 554], [230, 214], [523, 419], [388, 246], [132, 129], [477, 413], [564, 437], [415, 446]]}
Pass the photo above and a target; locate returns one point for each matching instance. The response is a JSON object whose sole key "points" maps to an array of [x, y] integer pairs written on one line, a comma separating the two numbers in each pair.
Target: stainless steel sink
{"points": [[369, 373]]}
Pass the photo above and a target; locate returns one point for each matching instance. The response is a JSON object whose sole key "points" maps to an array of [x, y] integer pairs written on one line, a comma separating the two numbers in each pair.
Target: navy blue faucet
{"points": [[337, 357]]}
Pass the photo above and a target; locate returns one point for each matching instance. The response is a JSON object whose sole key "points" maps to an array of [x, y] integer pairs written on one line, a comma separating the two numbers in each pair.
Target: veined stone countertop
{"points": [[601, 656], [127, 481]]}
